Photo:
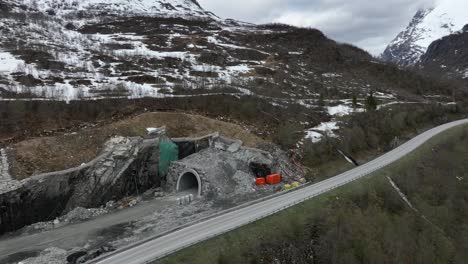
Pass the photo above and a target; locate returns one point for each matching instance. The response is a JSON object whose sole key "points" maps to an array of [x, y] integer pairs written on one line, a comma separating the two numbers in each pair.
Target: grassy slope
{"points": [[366, 221]]}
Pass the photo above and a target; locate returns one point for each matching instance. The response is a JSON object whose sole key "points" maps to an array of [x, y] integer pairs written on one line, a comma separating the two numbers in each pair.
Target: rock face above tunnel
{"points": [[127, 166], [224, 169]]}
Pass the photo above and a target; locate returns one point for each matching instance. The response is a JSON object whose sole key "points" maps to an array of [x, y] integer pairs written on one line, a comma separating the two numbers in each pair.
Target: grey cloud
{"points": [[369, 24]]}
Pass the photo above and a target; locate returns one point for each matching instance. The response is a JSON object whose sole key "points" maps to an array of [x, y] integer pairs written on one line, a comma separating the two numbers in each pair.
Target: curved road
{"points": [[162, 246]]}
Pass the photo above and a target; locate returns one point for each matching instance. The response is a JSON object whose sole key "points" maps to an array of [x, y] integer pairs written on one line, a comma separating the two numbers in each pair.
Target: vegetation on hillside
{"points": [[366, 221], [371, 133], [375, 130]]}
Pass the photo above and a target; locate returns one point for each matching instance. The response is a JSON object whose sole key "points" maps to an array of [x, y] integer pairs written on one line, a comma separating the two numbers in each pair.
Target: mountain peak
{"points": [[428, 25]]}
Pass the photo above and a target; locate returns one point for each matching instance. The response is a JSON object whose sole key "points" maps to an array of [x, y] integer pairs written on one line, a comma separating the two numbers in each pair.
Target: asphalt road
{"points": [[170, 243], [71, 236]]}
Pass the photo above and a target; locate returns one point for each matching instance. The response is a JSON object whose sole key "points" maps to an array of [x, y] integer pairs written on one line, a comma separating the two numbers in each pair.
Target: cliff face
{"points": [[448, 56], [402, 50], [126, 167], [428, 25]]}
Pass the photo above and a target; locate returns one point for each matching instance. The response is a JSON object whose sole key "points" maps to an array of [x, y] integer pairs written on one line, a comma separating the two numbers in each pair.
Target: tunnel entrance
{"points": [[186, 148], [189, 181]]}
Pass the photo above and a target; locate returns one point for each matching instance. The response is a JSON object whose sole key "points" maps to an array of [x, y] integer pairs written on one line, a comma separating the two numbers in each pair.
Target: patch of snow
{"points": [[226, 73], [342, 110], [143, 51], [326, 128], [465, 75], [384, 95], [331, 75], [151, 130], [402, 195], [214, 40], [347, 158], [395, 103], [8, 63], [217, 42]]}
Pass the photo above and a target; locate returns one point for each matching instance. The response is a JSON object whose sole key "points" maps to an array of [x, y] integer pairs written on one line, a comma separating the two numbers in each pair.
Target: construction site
{"points": [[135, 187]]}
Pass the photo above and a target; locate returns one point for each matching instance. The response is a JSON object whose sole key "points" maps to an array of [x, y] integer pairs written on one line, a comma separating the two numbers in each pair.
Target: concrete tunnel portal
{"points": [[189, 181]]}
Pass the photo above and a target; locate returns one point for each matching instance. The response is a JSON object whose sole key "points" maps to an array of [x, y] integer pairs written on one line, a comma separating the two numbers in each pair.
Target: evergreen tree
{"points": [[321, 101], [355, 104], [371, 102]]}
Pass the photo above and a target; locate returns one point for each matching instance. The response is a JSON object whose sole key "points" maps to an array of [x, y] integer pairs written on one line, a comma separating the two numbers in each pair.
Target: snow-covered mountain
{"points": [[92, 49], [444, 18], [448, 56], [119, 7]]}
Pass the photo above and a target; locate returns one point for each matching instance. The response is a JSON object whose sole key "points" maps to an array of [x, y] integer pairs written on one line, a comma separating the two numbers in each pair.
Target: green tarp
{"points": [[168, 152]]}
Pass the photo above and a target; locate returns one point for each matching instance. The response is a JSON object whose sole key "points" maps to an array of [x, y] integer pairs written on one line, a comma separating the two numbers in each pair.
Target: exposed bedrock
{"points": [[226, 169], [213, 167], [127, 166]]}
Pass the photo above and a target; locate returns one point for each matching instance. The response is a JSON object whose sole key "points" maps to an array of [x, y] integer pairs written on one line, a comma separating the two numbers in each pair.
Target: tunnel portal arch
{"points": [[189, 179]]}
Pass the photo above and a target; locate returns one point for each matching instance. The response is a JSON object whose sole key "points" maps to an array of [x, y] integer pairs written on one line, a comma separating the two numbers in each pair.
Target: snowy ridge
{"points": [[187, 8], [428, 25], [80, 50]]}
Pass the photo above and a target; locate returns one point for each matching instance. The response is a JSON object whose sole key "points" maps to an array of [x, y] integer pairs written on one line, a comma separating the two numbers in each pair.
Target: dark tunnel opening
{"points": [[186, 149], [188, 182]]}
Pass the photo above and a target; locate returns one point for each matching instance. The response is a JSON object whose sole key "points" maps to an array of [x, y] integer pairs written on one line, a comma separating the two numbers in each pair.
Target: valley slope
{"points": [[73, 50]]}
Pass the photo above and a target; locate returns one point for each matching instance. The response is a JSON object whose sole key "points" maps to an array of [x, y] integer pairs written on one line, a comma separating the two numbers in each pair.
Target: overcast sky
{"points": [[369, 24]]}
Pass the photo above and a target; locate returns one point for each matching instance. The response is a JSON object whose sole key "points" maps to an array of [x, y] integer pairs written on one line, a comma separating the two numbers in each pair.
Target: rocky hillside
{"points": [[186, 8], [70, 50], [444, 18], [448, 55]]}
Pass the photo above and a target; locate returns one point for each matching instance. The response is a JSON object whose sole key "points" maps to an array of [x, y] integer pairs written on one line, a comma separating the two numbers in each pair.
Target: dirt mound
{"points": [[47, 154]]}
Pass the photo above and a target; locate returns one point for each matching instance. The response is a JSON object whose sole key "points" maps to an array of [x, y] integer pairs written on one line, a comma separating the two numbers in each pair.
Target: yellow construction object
{"points": [[287, 187], [295, 184]]}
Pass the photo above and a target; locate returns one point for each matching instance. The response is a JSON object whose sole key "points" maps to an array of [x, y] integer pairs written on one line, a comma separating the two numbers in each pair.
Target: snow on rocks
{"points": [[152, 130], [8, 63], [186, 8], [331, 75], [7, 183], [465, 75], [342, 110], [214, 40], [445, 17], [317, 133], [4, 169], [324, 129], [385, 96]]}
